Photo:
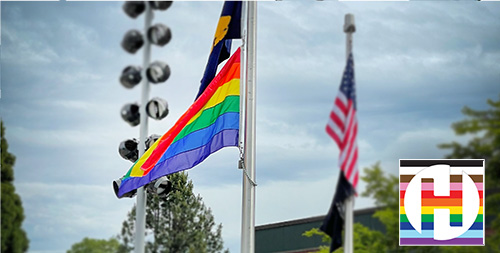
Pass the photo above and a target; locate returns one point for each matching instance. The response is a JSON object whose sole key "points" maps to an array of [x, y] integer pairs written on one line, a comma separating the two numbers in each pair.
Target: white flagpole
{"points": [[349, 29], [140, 216], [248, 205]]}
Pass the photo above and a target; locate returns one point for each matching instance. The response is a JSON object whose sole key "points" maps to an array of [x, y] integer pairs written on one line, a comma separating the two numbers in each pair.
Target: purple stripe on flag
{"points": [[431, 241], [429, 186], [182, 161]]}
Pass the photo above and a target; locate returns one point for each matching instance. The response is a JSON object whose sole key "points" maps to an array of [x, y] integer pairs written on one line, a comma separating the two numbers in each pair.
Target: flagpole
{"points": [[248, 205], [140, 217], [349, 29]]}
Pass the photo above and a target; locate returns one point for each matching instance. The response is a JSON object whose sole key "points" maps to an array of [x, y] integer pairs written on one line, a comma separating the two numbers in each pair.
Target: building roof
{"points": [[287, 236]]}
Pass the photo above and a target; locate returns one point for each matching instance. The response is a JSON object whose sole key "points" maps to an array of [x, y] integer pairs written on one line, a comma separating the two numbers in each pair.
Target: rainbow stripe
{"points": [[211, 123], [410, 236]]}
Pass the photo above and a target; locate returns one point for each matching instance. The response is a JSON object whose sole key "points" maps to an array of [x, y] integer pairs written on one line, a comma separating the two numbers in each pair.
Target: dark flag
{"points": [[228, 28], [334, 220]]}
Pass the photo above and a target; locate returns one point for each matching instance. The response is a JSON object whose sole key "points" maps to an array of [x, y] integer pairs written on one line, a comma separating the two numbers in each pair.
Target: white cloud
{"points": [[70, 209], [27, 52], [57, 138]]}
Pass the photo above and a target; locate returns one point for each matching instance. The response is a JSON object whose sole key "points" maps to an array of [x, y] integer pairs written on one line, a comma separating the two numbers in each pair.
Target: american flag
{"points": [[343, 125]]}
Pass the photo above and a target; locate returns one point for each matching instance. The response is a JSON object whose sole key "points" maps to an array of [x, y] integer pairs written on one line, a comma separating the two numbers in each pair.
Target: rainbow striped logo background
{"points": [[441, 202]]}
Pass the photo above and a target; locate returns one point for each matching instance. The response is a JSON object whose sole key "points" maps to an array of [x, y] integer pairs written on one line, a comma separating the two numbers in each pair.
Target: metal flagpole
{"points": [[248, 205], [140, 217], [349, 29]]}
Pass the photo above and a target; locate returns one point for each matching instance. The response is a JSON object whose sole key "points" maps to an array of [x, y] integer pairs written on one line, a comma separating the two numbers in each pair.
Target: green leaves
{"points": [[178, 222], [484, 128], [88, 245], [8, 160], [14, 238], [385, 190]]}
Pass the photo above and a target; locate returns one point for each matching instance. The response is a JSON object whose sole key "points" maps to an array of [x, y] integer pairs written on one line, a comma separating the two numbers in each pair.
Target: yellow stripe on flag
{"points": [[231, 88]]}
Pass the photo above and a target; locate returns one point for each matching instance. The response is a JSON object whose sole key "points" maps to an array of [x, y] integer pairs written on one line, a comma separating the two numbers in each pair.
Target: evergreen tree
{"points": [[13, 236], [178, 222]]}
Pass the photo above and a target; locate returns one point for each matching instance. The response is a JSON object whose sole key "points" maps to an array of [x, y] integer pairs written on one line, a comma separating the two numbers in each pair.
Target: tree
{"points": [[484, 128], [14, 238], [179, 222], [365, 240], [88, 245], [385, 190]]}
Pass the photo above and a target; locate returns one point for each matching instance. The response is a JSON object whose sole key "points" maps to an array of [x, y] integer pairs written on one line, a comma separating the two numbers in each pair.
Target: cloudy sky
{"points": [[417, 64]]}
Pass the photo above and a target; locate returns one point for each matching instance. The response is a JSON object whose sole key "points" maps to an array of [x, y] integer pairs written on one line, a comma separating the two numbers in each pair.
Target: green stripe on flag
{"points": [[210, 115]]}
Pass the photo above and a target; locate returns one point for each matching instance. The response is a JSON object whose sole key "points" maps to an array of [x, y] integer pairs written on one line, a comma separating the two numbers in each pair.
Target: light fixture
{"points": [[160, 5], [132, 41], [116, 187], [157, 108], [134, 8], [159, 34], [131, 76], [151, 140], [162, 186], [158, 72], [130, 114], [128, 150]]}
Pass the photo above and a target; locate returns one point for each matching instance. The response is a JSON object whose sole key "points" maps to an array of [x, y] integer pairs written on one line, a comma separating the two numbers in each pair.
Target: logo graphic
{"points": [[441, 202]]}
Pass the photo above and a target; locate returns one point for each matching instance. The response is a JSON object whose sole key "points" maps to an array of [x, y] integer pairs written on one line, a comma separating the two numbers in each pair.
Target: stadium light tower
{"points": [[134, 114]]}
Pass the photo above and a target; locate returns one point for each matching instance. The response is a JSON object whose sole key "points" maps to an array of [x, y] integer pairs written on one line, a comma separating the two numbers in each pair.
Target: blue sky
{"points": [[416, 63]]}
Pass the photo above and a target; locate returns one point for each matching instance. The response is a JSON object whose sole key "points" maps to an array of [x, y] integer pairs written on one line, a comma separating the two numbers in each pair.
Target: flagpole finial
{"points": [[349, 26]]}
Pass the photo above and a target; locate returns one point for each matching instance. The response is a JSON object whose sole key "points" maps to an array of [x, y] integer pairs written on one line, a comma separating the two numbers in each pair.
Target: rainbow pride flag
{"points": [[429, 203], [211, 123]]}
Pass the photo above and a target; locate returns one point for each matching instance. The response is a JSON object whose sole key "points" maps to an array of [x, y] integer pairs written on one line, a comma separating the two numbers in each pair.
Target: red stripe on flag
{"points": [[350, 169], [355, 181], [344, 130], [349, 139], [334, 136], [339, 123], [342, 107]]}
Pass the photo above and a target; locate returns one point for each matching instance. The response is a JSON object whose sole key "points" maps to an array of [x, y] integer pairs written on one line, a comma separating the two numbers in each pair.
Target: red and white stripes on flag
{"points": [[343, 125]]}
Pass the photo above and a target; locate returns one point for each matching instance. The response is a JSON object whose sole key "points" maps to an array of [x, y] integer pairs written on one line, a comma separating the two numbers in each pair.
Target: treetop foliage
{"points": [[14, 238], [484, 126]]}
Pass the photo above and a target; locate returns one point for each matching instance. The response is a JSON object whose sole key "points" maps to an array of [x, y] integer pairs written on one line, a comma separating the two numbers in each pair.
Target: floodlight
{"points": [[160, 5], [158, 72], [130, 113], [116, 187], [132, 41], [157, 108], [162, 186], [128, 150], [131, 76], [159, 34], [151, 140], [134, 8]]}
